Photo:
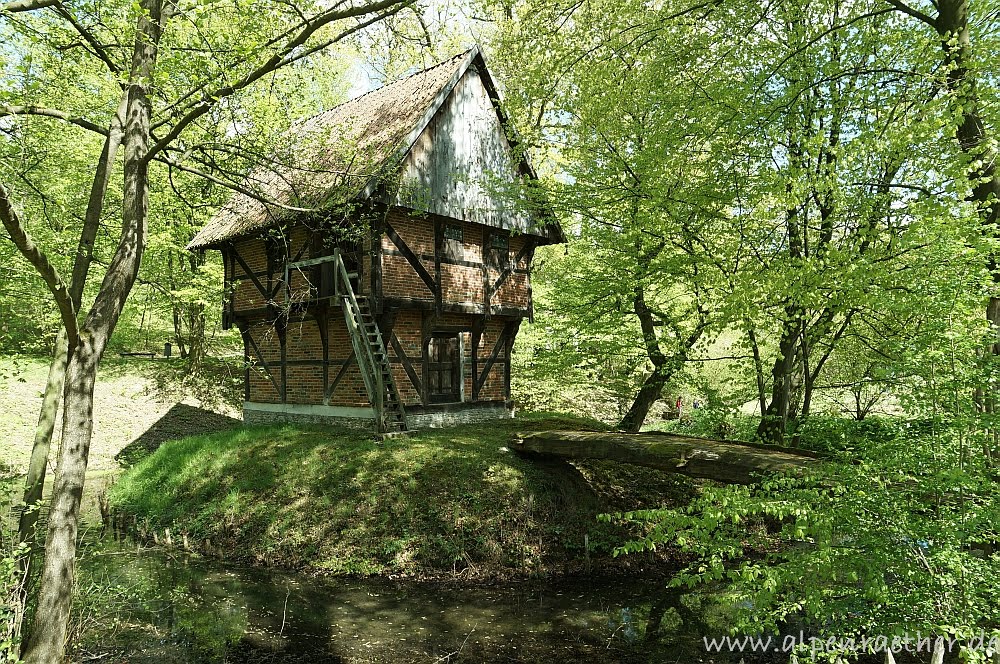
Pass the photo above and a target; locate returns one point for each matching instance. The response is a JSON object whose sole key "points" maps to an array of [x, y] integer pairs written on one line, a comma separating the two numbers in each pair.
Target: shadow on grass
{"points": [[334, 499], [180, 421]]}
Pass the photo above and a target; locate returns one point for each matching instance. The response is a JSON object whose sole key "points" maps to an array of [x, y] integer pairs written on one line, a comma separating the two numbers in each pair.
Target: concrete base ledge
{"points": [[270, 413], [361, 417], [454, 416]]}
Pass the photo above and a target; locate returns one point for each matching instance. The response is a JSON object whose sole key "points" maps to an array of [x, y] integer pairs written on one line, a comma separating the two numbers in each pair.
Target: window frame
{"points": [[497, 257], [453, 248]]}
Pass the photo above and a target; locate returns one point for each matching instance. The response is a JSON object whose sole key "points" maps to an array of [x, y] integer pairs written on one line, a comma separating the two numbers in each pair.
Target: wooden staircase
{"points": [[369, 349]]}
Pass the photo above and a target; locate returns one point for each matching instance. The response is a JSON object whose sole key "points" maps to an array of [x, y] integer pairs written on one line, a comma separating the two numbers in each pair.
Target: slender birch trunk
{"points": [[47, 641]]}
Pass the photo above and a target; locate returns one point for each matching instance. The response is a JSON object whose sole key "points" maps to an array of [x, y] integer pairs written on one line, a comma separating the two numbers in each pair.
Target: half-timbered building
{"points": [[379, 268]]}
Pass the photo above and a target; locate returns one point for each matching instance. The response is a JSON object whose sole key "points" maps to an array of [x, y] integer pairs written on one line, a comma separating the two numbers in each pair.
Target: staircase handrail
{"points": [[371, 372]]}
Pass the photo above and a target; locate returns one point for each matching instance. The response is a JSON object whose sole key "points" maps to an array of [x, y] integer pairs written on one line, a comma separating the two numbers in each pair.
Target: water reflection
{"points": [[151, 605]]}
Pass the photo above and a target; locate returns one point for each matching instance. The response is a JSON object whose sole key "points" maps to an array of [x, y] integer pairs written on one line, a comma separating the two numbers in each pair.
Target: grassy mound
{"points": [[434, 503]]}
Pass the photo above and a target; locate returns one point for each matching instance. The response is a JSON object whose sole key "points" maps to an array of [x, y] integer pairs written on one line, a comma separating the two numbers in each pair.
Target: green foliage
{"points": [[337, 501], [10, 576], [894, 540], [772, 191]]}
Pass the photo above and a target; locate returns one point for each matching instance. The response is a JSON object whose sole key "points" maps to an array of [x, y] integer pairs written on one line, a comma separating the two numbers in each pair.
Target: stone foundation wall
{"points": [[267, 413], [455, 417], [362, 418]]}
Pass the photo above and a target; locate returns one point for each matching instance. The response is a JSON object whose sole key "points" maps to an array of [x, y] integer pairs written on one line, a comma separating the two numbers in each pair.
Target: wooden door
{"points": [[444, 367]]}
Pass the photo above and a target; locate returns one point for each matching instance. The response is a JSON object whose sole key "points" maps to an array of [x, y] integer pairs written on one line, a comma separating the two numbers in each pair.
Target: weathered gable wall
{"points": [[462, 166]]}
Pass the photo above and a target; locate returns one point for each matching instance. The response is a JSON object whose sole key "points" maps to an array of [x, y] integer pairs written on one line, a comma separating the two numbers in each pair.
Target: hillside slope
{"points": [[437, 503]]}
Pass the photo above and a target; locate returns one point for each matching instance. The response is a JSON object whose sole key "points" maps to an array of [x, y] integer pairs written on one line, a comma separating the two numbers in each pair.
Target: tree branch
{"points": [[285, 55], [915, 13], [26, 245], [230, 185], [26, 6], [98, 50], [53, 113]]}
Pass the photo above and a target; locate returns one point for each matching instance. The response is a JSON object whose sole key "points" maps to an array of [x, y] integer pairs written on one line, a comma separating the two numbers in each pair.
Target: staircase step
{"points": [[378, 368]]}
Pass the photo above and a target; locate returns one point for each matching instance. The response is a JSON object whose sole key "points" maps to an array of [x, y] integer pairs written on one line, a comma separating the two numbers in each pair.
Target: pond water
{"points": [[156, 605], [152, 604]]}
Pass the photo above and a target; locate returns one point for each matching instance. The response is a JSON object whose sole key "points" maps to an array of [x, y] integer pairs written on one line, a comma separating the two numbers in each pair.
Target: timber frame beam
{"points": [[504, 344], [413, 260]]}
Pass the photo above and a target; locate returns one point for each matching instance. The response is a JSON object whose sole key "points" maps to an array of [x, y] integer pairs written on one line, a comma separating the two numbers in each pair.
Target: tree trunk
{"points": [[649, 394], [758, 369], [652, 386], [179, 330], [663, 368], [196, 320], [35, 480], [721, 460], [196, 335], [774, 421], [176, 307], [47, 642]]}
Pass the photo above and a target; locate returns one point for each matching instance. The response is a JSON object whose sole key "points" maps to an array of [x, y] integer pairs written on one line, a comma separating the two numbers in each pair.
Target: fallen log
{"points": [[721, 460]]}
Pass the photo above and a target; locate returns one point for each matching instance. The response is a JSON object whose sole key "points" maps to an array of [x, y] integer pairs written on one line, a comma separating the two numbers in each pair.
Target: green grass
{"points": [[434, 503]]}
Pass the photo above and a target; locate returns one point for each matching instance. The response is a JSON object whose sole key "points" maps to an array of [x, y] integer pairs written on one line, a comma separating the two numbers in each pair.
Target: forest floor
{"points": [[136, 401], [447, 503]]}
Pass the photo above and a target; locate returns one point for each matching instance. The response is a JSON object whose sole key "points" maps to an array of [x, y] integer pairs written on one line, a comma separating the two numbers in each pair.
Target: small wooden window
{"points": [[454, 232], [452, 237], [274, 248], [323, 280], [496, 252]]}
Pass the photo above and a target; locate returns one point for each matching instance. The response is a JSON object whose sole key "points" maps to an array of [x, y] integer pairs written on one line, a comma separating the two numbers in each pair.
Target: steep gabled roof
{"points": [[340, 154]]}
